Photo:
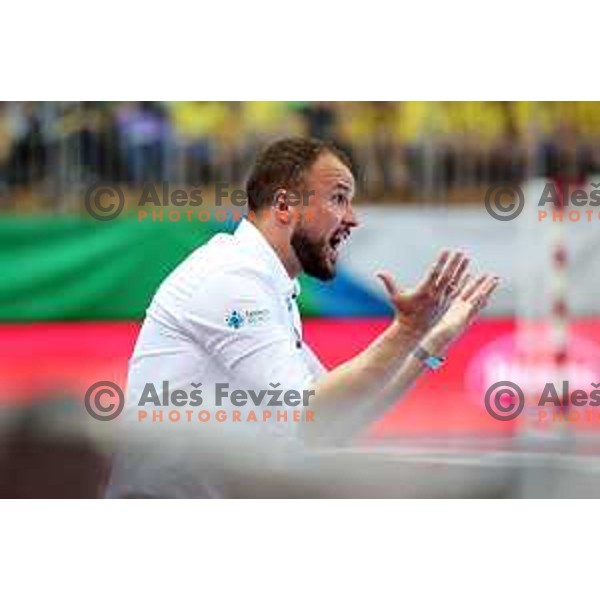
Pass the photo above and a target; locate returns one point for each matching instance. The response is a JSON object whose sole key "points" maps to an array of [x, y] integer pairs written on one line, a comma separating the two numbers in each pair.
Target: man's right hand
{"points": [[464, 307]]}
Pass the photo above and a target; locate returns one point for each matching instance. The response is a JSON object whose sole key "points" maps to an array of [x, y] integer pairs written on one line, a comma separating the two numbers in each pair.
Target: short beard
{"points": [[312, 256]]}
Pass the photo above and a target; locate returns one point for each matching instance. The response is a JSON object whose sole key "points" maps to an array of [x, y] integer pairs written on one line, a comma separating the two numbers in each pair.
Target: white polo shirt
{"points": [[227, 313]]}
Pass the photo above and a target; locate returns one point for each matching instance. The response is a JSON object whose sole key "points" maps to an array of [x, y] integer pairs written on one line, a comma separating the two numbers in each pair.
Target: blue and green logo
{"points": [[235, 319]]}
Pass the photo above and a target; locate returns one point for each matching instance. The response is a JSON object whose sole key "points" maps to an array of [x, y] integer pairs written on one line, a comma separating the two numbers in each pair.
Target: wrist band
{"points": [[431, 362]]}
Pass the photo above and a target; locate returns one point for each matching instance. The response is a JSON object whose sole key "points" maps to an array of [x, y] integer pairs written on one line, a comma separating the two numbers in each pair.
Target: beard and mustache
{"points": [[318, 258]]}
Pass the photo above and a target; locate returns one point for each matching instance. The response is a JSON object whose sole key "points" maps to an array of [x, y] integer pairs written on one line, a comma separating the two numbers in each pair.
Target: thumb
{"points": [[389, 283]]}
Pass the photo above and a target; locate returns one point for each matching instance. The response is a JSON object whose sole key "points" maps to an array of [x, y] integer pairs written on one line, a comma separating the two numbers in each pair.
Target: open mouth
{"points": [[335, 241]]}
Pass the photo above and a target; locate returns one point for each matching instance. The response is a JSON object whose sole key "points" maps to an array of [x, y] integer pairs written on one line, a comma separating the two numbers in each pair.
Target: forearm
{"points": [[361, 408], [435, 343], [344, 390], [356, 393]]}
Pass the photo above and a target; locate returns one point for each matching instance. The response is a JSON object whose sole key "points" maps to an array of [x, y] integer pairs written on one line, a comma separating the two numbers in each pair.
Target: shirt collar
{"points": [[249, 235]]}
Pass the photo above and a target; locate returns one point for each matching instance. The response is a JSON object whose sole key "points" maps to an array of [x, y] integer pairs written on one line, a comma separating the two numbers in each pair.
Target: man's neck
{"points": [[279, 240]]}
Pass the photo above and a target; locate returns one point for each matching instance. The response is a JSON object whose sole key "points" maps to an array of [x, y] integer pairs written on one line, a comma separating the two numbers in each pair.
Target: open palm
{"points": [[420, 307]]}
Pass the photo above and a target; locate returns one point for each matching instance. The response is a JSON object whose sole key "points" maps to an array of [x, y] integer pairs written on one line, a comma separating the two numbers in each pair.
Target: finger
{"points": [[457, 278], [435, 270], [480, 299], [460, 270], [448, 271], [487, 290], [460, 288], [473, 287], [389, 283]]}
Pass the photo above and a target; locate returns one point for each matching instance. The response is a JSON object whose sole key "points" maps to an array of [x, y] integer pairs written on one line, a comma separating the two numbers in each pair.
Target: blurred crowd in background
{"points": [[403, 151]]}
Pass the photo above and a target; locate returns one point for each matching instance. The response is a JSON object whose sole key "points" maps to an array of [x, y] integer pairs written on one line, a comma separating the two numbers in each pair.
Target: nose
{"points": [[350, 217]]}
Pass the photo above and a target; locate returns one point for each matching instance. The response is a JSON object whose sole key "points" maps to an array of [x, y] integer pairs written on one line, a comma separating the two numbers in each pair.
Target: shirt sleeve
{"points": [[239, 320]]}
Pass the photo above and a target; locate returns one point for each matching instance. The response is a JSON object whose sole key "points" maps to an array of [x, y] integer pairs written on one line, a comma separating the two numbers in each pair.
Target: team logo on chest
{"points": [[235, 319], [238, 318]]}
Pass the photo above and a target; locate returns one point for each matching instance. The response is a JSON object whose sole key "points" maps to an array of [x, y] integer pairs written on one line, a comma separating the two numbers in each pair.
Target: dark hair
{"points": [[284, 164]]}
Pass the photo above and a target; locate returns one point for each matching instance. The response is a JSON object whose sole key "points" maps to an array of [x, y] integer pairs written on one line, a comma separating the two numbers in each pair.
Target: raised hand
{"points": [[465, 304], [420, 308]]}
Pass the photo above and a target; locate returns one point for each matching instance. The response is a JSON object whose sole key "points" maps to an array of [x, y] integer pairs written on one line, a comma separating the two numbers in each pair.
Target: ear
{"points": [[279, 197], [281, 207]]}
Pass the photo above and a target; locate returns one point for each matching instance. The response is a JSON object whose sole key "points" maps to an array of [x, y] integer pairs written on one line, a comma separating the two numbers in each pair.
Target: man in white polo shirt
{"points": [[228, 316]]}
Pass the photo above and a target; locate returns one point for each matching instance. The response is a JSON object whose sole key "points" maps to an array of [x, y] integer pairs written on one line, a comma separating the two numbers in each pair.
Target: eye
{"points": [[340, 199]]}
